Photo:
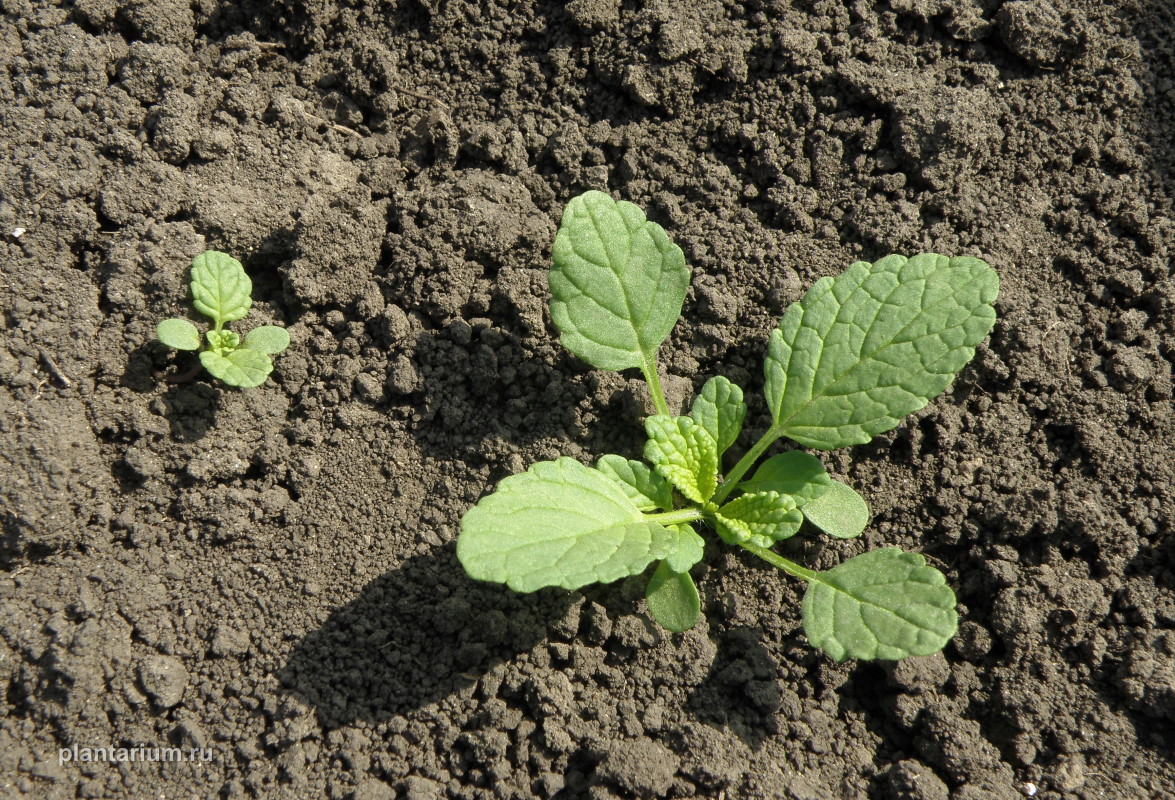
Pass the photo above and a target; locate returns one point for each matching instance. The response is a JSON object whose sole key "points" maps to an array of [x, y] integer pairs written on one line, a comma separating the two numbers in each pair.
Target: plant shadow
{"points": [[414, 635]]}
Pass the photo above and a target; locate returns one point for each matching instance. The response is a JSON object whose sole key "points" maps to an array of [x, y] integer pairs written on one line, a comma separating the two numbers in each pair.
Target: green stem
{"points": [[745, 463], [654, 380], [776, 560], [678, 517]]}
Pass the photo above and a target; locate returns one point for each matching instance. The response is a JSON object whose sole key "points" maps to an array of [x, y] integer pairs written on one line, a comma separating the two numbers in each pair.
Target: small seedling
{"points": [[859, 352], [223, 292]]}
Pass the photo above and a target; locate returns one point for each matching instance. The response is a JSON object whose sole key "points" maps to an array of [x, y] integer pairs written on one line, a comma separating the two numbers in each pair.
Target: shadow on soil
{"points": [[414, 635]]}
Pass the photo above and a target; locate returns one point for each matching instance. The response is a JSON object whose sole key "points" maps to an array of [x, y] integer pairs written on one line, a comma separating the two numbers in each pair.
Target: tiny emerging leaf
{"points": [[877, 342], [220, 288], [178, 333], [685, 454], [559, 524], [882, 604], [617, 283], [720, 409]]}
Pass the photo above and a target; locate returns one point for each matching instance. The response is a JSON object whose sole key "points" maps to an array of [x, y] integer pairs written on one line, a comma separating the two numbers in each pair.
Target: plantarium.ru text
{"points": [[859, 352]]}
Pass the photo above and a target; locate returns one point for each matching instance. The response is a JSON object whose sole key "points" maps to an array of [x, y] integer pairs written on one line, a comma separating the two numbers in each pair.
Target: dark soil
{"points": [[269, 574]]}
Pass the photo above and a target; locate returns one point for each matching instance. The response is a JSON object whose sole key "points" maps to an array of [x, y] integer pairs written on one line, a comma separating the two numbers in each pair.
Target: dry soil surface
{"points": [[267, 578]]}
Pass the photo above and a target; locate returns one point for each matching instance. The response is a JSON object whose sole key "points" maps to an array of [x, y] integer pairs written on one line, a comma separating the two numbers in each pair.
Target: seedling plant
{"points": [[223, 292], [855, 355]]}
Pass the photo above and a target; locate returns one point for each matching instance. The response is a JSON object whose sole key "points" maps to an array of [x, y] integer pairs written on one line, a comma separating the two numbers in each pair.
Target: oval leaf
{"points": [[178, 333], [241, 368], [673, 600], [794, 473], [220, 288], [720, 409], [617, 283], [839, 512], [267, 339], [558, 524], [882, 604], [864, 349]]}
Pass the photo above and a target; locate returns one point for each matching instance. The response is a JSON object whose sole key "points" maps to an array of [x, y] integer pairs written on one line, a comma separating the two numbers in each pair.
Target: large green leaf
{"points": [[882, 604], [220, 288], [862, 350], [685, 454], [617, 284], [673, 599], [645, 488], [720, 409], [242, 368], [763, 519], [558, 524]]}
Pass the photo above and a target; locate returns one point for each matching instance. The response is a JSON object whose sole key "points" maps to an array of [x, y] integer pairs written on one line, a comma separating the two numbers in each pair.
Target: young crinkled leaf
{"points": [[178, 333], [242, 368], [268, 339], [763, 519], [673, 600], [220, 288], [617, 283], [864, 349], [839, 512], [720, 409], [647, 489], [882, 604], [685, 454], [559, 524]]}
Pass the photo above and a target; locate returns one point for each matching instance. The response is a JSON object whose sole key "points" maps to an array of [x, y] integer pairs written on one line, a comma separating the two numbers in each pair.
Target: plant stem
{"points": [[776, 560], [745, 463], [678, 517], [654, 380]]}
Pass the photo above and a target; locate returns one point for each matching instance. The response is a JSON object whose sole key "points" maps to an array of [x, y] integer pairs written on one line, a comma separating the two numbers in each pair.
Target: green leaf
{"points": [[763, 518], [673, 599], [839, 512], [267, 339], [690, 549], [883, 604], [645, 488], [617, 283], [864, 349], [720, 409], [242, 368], [558, 524], [685, 454], [794, 473], [220, 288], [178, 333]]}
